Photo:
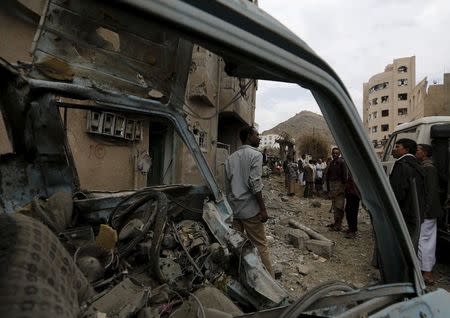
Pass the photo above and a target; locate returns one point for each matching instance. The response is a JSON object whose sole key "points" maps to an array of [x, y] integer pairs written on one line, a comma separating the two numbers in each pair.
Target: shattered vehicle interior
{"points": [[168, 249]]}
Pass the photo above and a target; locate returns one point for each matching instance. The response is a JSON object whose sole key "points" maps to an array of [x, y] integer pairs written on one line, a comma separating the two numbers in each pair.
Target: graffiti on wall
{"points": [[97, 151]]}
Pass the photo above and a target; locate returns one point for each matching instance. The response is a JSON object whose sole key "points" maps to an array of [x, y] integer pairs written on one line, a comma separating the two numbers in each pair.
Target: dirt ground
{"points": [[351, 258]]}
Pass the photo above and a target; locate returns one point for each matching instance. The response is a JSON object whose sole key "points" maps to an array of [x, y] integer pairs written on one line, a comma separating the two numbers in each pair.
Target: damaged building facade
{"points": [[130, 152], [392, 98]]}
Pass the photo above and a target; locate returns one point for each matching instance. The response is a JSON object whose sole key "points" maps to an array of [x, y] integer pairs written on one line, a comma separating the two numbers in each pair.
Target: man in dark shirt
{"points": [[407, 174], [336, 178]]}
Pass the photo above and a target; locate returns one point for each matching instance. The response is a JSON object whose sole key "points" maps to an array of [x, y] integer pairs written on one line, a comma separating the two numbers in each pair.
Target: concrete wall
{"points": [[215, 106], [417, 100], [437, 100], [432, 100], [17, 36], [104, 163]]}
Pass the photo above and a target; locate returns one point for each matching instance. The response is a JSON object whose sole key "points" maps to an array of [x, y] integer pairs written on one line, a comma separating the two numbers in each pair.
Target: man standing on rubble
{"points": [[336, 178], [244, 192]]}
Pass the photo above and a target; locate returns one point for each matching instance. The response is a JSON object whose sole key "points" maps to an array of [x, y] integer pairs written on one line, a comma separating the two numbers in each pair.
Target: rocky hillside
{"points": [[303, 123]]}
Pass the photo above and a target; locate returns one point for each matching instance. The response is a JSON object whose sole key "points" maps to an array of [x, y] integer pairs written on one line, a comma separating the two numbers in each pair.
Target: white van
{"points": [[417, 130]]}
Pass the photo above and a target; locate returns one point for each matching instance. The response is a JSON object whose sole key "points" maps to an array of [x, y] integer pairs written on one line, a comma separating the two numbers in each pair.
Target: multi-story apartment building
{"points": [[268, 141], [386, 99], [391, 98]]}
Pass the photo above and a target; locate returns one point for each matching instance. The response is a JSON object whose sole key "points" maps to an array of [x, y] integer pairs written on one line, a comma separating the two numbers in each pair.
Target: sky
{"points": [[357, 38]]}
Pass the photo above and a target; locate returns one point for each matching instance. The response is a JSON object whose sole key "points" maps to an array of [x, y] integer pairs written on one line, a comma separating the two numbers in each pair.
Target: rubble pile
{"points": [[304, 252]]}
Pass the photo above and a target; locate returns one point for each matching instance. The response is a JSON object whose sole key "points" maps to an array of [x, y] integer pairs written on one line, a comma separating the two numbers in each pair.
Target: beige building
{"points": [[116, 147], [386, 99], [430, 100]]}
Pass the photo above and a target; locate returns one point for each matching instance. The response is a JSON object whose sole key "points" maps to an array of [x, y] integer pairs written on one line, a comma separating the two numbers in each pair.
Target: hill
{"points": [[303, 123]]}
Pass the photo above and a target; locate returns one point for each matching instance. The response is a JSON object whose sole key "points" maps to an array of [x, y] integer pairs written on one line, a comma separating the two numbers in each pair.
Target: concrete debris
{"points": [[302, 269], [297, 237], [270, 239], [322, 259], [313, 234], [284, 199], [316, 204], [322, 248]]}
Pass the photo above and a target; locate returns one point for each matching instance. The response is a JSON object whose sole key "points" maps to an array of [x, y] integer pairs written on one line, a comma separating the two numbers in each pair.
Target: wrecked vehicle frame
{"points": [[255, 46]]}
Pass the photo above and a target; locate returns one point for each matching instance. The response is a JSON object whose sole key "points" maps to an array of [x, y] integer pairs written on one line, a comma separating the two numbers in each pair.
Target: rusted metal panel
{"points": [[90, 43]]}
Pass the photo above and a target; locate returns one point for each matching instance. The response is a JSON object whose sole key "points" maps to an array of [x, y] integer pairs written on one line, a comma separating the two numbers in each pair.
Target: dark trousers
{"points": [[351, 211], [309, 190]]}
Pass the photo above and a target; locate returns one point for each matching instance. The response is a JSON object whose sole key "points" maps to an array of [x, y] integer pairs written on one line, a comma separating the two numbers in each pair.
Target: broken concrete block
{"points": [[311, 233], [284, 199], [316, 204], [322, 248], [303, 269], [284, 221], [297, 237]]}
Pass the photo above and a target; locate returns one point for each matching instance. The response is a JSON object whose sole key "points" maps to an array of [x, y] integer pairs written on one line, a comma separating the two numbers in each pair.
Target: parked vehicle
{"points": [[39, 279], [434, 131]]}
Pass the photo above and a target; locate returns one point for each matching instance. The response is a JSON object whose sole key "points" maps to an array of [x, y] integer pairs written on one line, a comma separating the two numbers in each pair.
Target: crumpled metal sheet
{"points": [[86, 40]]}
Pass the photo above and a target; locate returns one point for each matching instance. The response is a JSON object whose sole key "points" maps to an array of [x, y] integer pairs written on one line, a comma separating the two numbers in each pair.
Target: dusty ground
{"points": [[351, 259]]}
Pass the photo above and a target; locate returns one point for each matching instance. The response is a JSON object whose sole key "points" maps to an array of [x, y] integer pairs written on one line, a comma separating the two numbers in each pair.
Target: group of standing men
{"points": [[311, 175], [414, 180]]}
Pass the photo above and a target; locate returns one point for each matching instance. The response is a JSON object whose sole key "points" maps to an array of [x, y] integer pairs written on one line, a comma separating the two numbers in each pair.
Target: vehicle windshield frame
{"points": [[245, 35]]}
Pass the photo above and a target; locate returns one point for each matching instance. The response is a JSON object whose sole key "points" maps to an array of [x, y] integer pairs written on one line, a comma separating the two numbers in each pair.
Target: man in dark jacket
{"points": [[433, 210], [406, 175]]}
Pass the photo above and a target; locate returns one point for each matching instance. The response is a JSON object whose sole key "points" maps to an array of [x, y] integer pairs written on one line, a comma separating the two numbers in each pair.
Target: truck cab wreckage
{"points": [[163, 250]]}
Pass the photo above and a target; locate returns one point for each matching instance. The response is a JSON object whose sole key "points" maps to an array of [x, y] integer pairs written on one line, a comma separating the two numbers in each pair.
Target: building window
{"points": [[374, 129], [370, 116], [375, 143], [385, 127], [375, 101], [384, 99], [374, 115], [385, 113], [402, 69], [402, 111], [403, 82], [403, 96], [378, 87]]}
